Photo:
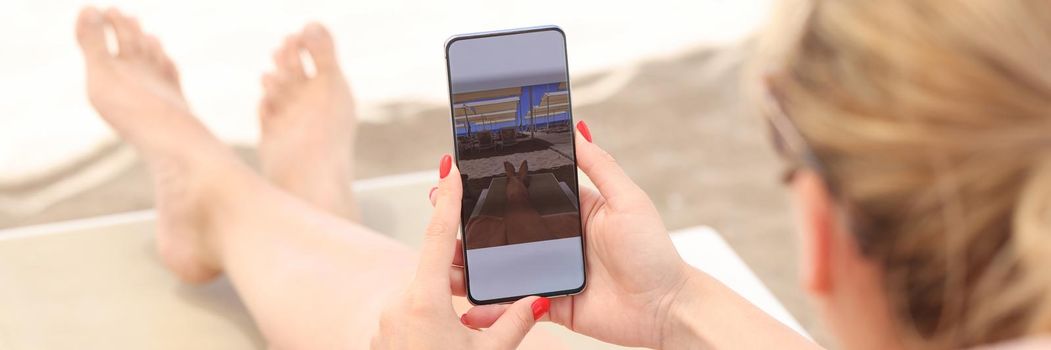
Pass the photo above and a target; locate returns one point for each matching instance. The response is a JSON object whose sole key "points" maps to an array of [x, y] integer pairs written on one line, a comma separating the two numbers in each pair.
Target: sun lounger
{"points": [[555, 206], [467, 143], [485, 141], [96, 283], [508, 137], [544, 192]]}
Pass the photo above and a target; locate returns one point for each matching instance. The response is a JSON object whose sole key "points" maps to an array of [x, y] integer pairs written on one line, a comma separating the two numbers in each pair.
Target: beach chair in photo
{"points": [[485, 141], [556, 204], [508, 137], [467, 144]]}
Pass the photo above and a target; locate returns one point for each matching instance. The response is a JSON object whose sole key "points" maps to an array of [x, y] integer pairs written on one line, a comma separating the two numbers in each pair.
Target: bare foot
{"points": [[308, 123], [136, 90]]}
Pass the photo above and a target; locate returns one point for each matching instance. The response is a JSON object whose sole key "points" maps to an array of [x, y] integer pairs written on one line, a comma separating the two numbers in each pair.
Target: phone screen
{"points": [[513, 128]]}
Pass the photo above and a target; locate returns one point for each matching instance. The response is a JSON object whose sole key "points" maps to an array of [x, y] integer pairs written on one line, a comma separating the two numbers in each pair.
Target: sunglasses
{"points": [[787, 140], [797, 155]]}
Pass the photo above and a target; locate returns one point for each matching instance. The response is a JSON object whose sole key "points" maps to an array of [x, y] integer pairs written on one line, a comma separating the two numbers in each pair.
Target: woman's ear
{"points": [[816, 227]]}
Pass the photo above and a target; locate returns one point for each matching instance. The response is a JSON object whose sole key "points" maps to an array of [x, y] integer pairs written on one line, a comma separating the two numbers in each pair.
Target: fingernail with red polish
{"points": [[463, 320], [540, 307], [447, 164], [583, 128]]}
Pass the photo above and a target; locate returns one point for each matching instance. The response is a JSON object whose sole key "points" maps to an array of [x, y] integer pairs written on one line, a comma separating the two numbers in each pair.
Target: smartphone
{"points": [[512, 125]]}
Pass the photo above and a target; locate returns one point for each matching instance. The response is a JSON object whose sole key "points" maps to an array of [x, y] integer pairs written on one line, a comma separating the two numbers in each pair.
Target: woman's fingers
{"points": [[615, 185], [440, 238], [590, 199], [483, 316], [458, 253], [456, 281], [458, 257], [516, 321]]}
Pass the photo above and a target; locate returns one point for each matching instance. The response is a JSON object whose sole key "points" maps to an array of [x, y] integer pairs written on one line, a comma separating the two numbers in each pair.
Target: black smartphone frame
{"points": [[456, 153]]}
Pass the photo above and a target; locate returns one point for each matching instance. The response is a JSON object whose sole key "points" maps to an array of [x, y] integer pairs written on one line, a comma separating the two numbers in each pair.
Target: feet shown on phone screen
{"points": [[308, 122]]}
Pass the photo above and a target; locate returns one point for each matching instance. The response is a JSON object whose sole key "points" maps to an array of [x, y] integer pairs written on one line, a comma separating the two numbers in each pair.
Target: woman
{"points": [[914, 131]]}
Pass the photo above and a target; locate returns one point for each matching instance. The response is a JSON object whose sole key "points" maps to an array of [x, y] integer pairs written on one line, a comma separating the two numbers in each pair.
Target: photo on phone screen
{"points": [[513, 129]]}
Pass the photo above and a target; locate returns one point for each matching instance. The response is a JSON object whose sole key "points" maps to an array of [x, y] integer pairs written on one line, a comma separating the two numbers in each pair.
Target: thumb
{"points": [[519, 318]]}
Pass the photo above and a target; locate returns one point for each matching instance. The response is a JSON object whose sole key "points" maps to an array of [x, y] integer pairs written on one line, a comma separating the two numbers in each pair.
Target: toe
{"points": [[275, 87], [91, 33], [287, 58], [152, 48], [268, 105], [171, 72], [158, 58], [318, 42], [266, 109], [129, 35], [271, 85]]}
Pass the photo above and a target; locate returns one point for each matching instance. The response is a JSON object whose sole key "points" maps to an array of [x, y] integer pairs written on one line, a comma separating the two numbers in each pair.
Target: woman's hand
{"points": [[634, 273], [424, 318], [640, 292]]}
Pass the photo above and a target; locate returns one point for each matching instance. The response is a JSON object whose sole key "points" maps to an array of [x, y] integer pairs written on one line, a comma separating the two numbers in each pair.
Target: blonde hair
{"points": [[933, 119]]}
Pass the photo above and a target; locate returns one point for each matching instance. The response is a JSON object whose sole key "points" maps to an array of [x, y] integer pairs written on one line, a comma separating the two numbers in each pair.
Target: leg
{"points": [[308, 123], [309, 279]]}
